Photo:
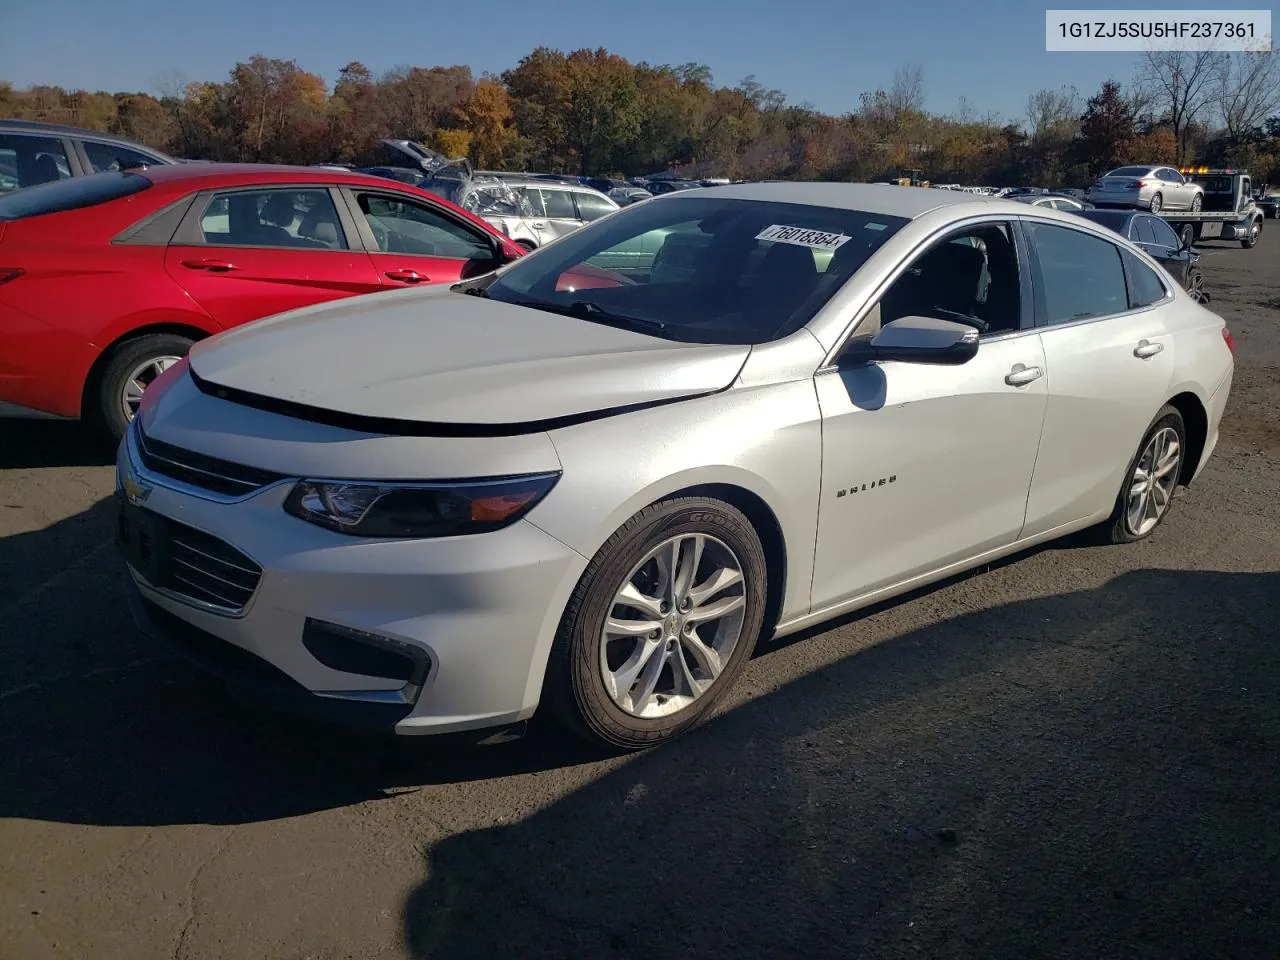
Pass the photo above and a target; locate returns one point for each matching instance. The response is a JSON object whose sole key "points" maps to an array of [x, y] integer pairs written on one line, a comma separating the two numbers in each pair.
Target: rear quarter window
{"points": [[72, 194]]}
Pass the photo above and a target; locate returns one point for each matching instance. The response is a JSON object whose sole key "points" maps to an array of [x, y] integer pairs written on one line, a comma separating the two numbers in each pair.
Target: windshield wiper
{"points": [[589, 310]]}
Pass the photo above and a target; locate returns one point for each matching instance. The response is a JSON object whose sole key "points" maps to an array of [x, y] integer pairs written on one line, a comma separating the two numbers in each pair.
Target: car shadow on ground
{"points": [[101, 726], [51, 443], [1082, 775]]}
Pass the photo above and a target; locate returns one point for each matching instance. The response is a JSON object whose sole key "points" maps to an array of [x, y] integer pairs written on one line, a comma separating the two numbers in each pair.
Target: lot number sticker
{"points": [[803, 237]]}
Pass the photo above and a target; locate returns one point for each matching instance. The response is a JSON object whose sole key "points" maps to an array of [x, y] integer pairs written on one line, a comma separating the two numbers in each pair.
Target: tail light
{"points": [[1229, 340], [10, 273], [1137, 184]]}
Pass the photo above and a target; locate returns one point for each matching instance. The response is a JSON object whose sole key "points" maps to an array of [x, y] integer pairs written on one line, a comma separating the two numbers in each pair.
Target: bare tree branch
{"points": [[1247, 91], [1180, 83]]}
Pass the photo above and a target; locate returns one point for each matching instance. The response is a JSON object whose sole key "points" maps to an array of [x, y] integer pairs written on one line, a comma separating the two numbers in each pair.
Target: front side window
{"points": [[701, 269], [30, 161], [302, 219], [402, 226], [105, 157], [971, 277], [1164, 234], [1082, 275]]}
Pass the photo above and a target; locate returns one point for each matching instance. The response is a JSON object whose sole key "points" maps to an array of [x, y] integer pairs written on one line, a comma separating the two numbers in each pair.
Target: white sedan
{"points": [[593, 489]]}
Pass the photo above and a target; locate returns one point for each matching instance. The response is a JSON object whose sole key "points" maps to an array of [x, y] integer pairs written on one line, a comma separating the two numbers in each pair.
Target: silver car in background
{"points": [[1151, 187], [569, 487]]}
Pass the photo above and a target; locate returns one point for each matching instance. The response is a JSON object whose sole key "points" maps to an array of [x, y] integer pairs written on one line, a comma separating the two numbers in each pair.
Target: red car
{"points": [[106, 280]]}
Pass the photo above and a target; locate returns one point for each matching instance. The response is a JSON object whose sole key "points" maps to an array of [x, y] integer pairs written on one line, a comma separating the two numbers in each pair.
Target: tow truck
{"points": [[1228, 213]]}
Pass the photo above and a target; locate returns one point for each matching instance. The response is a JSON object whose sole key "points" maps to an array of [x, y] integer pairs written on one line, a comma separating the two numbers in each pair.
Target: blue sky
{"points": [[991, 53]]}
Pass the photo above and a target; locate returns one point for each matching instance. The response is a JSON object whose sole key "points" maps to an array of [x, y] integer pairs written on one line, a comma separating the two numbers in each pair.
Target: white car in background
{"points": [[570, 487], [1151, 187]]}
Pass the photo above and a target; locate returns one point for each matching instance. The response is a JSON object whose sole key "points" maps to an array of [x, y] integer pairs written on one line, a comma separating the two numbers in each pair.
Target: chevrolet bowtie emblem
{"points": [[135, 491]]}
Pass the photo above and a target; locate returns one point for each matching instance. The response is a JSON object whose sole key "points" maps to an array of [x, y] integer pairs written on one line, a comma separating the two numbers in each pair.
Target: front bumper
{"points": [[480, 611]]}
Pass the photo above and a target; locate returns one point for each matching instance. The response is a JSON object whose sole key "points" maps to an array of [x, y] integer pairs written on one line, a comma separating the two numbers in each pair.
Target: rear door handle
{"points": [[1021, 375], [215, 266], [1145, 349], [407, 276]]}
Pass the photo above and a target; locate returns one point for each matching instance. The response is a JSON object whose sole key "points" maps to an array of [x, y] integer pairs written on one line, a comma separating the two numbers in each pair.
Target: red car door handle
{"points": [[217, 266], [407, 276]]}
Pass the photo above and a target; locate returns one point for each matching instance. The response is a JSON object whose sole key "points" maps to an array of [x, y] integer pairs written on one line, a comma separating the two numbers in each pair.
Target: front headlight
{"points": [[447, 509]]}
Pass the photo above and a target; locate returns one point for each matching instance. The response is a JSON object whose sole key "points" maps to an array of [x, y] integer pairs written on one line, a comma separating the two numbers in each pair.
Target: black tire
{"points": [[1117, 528], [104, 410], [574, 691], [1195, 287], [1197, 202], [1251, 241], [1157, 203]]}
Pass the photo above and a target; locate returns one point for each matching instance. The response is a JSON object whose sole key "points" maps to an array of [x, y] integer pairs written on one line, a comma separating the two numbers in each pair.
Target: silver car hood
{"points": [[438, 357]]}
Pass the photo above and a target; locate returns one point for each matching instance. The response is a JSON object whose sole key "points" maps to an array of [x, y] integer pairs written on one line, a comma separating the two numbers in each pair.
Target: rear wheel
{"points": [[1151, 480], [1251, 238], [1196, 203], [130, 368], [660, 625], [1157, 203]]}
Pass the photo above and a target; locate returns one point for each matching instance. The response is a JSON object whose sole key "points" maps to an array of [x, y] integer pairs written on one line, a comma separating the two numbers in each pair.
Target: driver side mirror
{"points": [[915, 340]]}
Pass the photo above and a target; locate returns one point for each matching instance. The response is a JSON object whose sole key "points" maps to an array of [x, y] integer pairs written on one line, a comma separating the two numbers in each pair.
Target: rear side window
{"points": [[30, 161], [559, 204], [1145, 286], [1146, 233], [110, 157], [70, 194], [305, 219], [592, 207], [1082, 275]]}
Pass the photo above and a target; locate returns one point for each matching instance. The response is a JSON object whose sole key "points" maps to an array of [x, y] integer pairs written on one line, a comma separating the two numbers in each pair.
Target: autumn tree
{"points": [[1106, 129]]}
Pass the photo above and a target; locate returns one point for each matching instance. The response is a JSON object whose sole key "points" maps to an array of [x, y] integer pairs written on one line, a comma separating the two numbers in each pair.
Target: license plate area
{"points": [[143, 538]]}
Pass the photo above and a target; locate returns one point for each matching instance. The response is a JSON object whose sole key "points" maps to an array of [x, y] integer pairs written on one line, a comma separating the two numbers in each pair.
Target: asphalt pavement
{"points": [[1072, 754]]}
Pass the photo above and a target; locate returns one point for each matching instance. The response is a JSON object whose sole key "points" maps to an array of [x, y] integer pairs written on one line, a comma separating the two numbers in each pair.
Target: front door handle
{"points": [[407, 276], [1021, 375], [1145, 349], [215, 266], [538, 226]]}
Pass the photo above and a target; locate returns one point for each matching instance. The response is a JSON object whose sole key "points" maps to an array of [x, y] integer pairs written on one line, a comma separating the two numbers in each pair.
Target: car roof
{"points": [[887, 200], [233, 173], [39, 126]]}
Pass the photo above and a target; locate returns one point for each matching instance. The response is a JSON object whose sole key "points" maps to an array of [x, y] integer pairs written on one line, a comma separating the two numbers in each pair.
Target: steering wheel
{"points": [[970, 321]]}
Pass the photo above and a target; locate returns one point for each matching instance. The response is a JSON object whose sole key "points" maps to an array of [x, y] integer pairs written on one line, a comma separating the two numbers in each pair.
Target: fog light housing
{"points": [[368, 655]]}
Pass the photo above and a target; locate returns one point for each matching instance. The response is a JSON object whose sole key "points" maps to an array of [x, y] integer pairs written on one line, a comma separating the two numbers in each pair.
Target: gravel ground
{"points": [[1071, 754]]}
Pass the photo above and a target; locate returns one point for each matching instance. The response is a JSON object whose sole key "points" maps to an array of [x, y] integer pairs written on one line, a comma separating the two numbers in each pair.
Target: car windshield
{"points": [[1130, 172], [700, 269]]}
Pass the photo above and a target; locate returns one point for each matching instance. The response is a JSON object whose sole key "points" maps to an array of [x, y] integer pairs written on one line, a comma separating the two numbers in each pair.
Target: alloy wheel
{"points": [[1154, 478], [138, 381], [673, 625]]}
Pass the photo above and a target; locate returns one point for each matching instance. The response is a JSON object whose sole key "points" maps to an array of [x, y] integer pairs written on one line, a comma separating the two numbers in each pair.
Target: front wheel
{"points": [[131, 367], [660, 625], [1152, 477], [1196, 203]]}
